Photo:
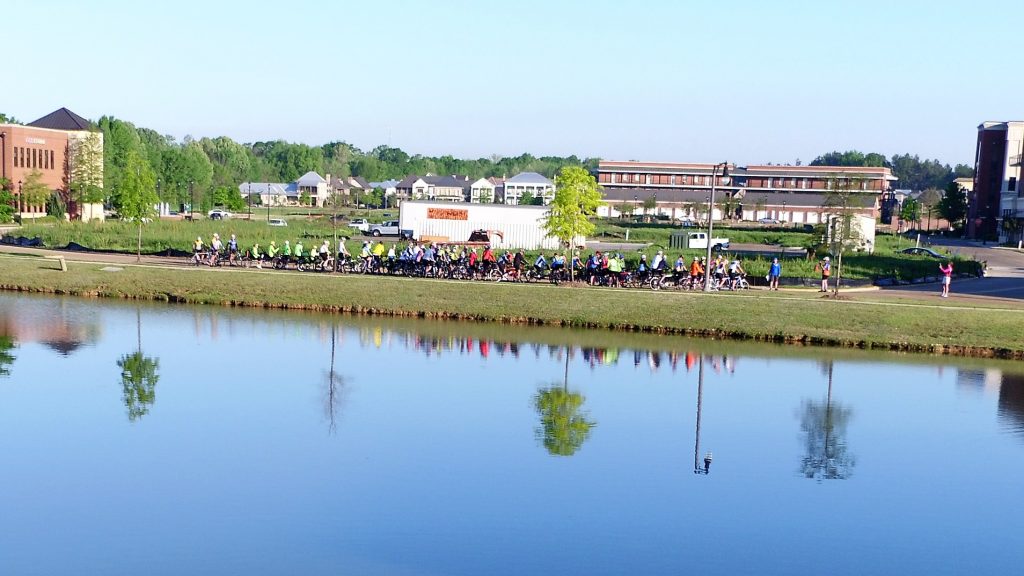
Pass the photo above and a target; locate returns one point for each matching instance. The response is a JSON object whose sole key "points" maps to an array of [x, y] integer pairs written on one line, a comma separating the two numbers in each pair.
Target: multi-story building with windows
{"points": [[995, 205], [785, 193], [42, 148]]}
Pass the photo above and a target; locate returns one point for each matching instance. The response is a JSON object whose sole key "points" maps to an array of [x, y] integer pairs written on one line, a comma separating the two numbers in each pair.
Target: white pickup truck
{"points": [[700, 240], [389, 228]]}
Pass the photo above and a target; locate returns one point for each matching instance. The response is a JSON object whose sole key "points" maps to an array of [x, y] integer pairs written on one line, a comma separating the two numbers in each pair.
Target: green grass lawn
{"points": [[858, 321]]}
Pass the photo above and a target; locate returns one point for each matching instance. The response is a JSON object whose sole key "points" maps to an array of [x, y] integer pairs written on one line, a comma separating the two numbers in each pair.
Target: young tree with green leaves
{"points": [[33, 191], [136, 197], [577, 196], [526, 199], [953, 205], [910, 211], [650, 204], [842, 203], [6, 202], [83, 173]]}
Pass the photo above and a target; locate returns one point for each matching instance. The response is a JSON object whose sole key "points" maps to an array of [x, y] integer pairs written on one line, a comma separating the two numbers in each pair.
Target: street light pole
{"points": [[711, 219], [248, 186], [192, 203]]}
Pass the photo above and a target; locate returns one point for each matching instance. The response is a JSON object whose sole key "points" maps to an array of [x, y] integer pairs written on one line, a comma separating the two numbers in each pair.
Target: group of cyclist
{"points": [[474, 262], [608, 269]]}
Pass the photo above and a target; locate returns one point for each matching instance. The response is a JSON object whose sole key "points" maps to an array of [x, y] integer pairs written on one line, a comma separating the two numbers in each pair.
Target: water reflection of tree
{"points": [[139, 376], [564, 427], [6, 358], [335, 387], [823, 424]]}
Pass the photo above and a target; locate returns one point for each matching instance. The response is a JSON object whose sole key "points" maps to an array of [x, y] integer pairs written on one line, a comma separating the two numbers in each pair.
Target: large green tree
{"points": [[953, 205], [577, 197]]}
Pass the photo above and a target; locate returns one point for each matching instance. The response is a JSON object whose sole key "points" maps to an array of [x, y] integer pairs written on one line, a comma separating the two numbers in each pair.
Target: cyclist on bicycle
{"points": [[298, 251], [489, 260], [197, 250], [215, 247], [256, 256], [286, 253], [735, 273], [325, 254], [272, 251], [379, 250], [232, 249], [540, 264]]}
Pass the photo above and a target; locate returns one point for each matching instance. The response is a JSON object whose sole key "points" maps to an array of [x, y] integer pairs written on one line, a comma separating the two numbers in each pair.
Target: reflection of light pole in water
{"points": [[697, 468]]}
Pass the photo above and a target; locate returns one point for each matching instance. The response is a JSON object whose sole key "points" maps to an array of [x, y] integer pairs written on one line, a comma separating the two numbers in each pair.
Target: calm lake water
{"points": [[176, 440]]}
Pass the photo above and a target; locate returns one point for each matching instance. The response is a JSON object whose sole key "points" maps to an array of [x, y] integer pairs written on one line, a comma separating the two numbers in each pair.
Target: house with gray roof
{"points": [[287, 193], [536, 184]]}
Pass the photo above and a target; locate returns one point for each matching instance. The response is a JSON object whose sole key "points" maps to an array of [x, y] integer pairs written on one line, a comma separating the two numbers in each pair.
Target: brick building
{"points": [[790, 194], [41, 146], [996, 196]]}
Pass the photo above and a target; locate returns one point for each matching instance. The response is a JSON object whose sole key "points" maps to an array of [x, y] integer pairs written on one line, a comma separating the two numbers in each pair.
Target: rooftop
{"points": [[529, 178], [62, 119]]}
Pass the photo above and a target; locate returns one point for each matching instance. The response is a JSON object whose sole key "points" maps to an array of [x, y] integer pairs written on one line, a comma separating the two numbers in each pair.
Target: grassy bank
{"points": [[774, 317]]}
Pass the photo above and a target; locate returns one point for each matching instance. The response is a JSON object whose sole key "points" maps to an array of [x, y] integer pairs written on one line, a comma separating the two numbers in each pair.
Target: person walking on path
{"points": [[773, 274], [947, 277], [825, 267]]}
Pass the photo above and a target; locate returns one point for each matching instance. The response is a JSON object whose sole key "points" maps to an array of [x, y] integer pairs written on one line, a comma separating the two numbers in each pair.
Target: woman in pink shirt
{"points": [[947, 277]]}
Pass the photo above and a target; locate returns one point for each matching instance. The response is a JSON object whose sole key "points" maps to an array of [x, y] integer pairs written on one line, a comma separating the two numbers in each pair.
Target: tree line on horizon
{"points": [[913, 172], [216, 166], [209, 170]]}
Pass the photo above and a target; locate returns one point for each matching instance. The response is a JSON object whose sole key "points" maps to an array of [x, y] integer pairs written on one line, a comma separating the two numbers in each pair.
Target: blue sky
{"points": [[743, 81]]}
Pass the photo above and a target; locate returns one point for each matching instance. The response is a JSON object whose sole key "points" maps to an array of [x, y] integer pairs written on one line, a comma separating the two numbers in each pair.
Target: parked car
{"points": [[768, 221], [686, 222], [700, 240], [277, 222], [360, 224], [389, 228], [914, 251], [219, 214]]}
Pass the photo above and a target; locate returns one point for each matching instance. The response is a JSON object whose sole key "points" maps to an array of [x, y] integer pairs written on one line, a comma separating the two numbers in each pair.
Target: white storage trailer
{"points": [[517, 226]]}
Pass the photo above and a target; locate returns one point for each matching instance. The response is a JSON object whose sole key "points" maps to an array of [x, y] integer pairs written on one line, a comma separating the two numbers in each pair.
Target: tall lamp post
{"points": [[785, 215], [248, 187], [711, 219], [192, 200]]}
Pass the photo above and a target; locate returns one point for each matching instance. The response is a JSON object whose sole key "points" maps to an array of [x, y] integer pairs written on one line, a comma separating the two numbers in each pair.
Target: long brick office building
{"points": [[790, 194], [41, 147]]}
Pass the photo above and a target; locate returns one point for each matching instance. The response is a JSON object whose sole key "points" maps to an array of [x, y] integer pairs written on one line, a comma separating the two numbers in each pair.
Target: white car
{"points": [[277, 222], [218, 214], [359, 224]]}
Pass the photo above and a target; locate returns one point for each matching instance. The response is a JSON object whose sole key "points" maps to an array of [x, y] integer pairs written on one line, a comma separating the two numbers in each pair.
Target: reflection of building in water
{"points": [[1011, 402], [55, 327], [1009, 387], [987, 380]]}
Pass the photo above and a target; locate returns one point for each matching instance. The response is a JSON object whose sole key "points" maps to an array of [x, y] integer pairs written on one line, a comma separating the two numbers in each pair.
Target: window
{"points": [[53, 158], [33, 158], [15, 156], [1012, 187]]}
